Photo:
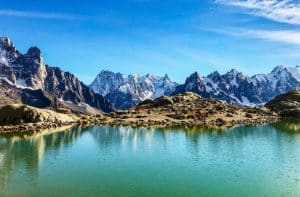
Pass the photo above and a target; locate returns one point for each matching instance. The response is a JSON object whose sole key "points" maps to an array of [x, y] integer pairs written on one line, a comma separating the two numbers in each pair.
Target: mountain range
{"points": [[28, 79], [128, 91], [232, 87]]}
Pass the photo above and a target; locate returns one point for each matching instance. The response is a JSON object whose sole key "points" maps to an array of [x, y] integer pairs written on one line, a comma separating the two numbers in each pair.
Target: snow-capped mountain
{"points": [[107, 82], [236, 88], [27, 78], [232, 87], [280, 80], [127, 91]]}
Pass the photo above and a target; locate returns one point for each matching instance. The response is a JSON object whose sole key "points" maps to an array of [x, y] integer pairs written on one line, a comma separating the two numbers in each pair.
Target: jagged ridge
{"points": [[28, 71], [128, 91], [233, 87]]}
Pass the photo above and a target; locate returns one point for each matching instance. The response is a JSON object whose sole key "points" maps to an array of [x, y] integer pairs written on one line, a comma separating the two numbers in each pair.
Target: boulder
{"points": [[17, 114]]}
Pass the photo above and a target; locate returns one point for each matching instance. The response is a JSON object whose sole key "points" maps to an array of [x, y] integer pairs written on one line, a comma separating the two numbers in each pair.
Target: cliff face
{"points": [[67, 87], [286, 105], [28, 76]]}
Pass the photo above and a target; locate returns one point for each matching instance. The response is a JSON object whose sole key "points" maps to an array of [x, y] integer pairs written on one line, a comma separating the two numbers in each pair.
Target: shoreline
{"points": [[163, 124], [89, 121], [34, 128], [182, 110]]}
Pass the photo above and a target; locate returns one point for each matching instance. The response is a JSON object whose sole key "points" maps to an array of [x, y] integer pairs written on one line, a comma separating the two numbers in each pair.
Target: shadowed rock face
{"points": [[34, 80], [35, 98], [67, 87], [287, 105]]}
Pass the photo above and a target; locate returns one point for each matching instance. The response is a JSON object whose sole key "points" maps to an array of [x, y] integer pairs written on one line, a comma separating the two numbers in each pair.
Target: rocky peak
{"points": [[280, 71], [5, 42], [7, 45], [34, 52], [233, 72], [195, 77], [108, 73], [214, 76], [166, 77], [285, 73], [106, 82], [149, 75], [29, 72], [278, 68], [8, 52]]}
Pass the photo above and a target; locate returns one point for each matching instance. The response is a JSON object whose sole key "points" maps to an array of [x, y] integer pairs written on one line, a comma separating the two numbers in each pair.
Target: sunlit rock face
{"points": [[22, 72], [25, 70]]}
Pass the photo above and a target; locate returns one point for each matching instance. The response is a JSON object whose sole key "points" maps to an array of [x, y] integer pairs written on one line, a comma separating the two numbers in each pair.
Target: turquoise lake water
{"points": [[106, 161]]}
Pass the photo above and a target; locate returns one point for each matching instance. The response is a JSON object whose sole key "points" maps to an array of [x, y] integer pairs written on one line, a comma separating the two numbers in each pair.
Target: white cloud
{"points": [[282, 36], [39, 15], [285, 11]]}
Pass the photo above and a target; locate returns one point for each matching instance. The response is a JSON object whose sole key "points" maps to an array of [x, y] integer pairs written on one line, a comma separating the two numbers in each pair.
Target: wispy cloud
{"points": [[285, 11], [282, 36], [38, 15]]}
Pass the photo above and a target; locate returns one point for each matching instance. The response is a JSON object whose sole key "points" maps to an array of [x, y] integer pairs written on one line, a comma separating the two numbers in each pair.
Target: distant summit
{"points": [[236, 88], [128, 91], [233, 87]]}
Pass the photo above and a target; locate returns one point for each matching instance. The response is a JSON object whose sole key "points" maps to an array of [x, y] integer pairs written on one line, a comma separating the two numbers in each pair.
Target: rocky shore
{"points": [[188, 109], [20, 118]]}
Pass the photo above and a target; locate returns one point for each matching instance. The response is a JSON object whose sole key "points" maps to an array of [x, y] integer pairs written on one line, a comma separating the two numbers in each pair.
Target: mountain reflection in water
{"points": [[201, 146]]}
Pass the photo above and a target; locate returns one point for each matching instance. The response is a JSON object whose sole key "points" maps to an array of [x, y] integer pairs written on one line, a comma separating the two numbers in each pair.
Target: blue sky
{"points": [[176, 37]]}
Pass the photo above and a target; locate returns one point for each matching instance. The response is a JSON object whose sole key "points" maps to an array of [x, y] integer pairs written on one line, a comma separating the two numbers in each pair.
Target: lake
{"points": [[105, 161]]}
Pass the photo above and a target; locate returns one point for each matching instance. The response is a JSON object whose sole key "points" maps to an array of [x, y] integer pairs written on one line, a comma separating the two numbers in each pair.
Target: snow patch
{"points": [[36, 61], [295, 72], [20, 83], [3, 60], [246, 102], [8, 81]]}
